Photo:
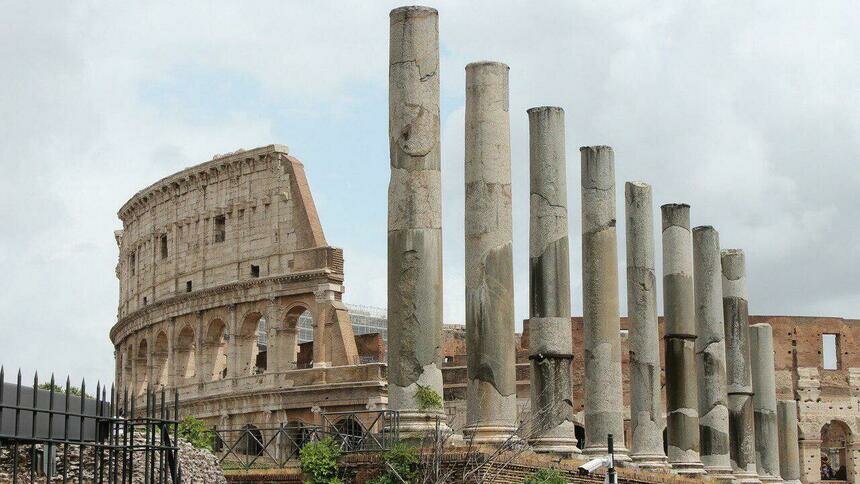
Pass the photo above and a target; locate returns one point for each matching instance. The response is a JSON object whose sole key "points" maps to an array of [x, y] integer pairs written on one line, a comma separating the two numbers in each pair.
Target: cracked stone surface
{"points": [[601, 324], [764, 402], [711, 352], [491, 392], [789, 451], [646, 406], [414, 213], [550, 341], [738, 371], [682, 406]]}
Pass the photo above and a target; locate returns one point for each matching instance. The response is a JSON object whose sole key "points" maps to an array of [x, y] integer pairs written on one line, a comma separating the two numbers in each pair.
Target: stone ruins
{"points": [[217, 263]]}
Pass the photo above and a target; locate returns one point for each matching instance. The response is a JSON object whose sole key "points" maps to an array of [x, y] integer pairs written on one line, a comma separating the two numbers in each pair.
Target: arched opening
{"points": [[141, 378], [159, 360], [835, 437], [294, 436], [252, 342], [665, 441], [251, 442], [127, 376], [186, 349], [300, 329], [349, 432], [216, 350], [579, 433]]}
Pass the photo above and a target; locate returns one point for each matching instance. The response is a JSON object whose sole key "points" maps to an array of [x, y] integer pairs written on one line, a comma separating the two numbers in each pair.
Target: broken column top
{"points": [[677, 214], [734, 273], [542, 109], [411, 10]]}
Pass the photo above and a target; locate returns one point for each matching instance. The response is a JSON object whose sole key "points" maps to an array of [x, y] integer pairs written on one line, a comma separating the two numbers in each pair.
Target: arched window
{"points": [[252, 342], [835, 437], [141, 378], [349, 432], [300, 325], [251, 442]]}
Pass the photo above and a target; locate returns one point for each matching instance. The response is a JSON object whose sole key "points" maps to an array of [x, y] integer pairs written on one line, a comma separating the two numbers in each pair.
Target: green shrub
{"points": [[428, 398], [319, 462], [404, 460], [546, 476], [194, 431], [73, 390]]}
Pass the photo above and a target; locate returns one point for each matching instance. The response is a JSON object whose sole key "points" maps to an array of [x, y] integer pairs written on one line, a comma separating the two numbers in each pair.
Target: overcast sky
{"points": [[748, 112]]}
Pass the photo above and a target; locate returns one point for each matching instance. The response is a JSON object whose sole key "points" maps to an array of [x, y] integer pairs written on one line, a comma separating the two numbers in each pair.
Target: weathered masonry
{"points": [[216, 265]]}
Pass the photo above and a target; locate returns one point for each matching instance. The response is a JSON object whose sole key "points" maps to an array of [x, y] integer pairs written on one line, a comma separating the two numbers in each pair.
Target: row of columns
{"points": [[713, 423]]}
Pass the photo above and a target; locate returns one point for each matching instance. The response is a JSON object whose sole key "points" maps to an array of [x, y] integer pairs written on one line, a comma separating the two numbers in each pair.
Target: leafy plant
{"points": [[195, 432], [545, 476], [400, 460], [319, 462], [73, 390], [428, 398]]}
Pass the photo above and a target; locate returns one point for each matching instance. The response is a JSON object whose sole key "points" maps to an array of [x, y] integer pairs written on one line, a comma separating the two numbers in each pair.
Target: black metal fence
{"points": [[52, 434], [252, 447]]}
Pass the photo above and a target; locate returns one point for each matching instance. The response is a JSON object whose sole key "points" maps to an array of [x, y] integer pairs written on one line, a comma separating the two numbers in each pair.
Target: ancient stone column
{"points": [[646, 406], [738, 373], [764, 403], [491, 392], [601, 324], [682, 402], [550, 341], [414, 218], [789, 450], [711, 354]]}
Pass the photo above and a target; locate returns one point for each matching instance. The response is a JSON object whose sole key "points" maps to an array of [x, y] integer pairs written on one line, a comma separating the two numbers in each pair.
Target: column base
{"points": [[688, 468], [746, 478], [621, 452], [793, 481], [558, 440], [651, 461], [720, 474], [769, 478], [491, 435], [422, 426]]}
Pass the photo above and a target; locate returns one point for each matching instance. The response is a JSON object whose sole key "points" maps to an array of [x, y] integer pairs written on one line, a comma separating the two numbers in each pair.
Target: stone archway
{"points": [[252, 344], [160, 368], [215, 351], [299, 337], [835, 447], [141, 367], [185, 355]]}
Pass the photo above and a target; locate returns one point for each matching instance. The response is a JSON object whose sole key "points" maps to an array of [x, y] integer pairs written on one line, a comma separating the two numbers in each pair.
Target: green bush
{"points": [[194, 431], [319, 462], [404, 460], [73, 390], [428, 398], [546, 476]]}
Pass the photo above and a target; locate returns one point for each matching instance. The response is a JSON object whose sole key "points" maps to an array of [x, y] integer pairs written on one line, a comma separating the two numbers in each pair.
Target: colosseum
{"points": [[219, 265], [223, 266]]}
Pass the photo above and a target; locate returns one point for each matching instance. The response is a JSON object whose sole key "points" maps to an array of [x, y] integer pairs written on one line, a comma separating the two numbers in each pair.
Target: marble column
{"points": [[764, 403], [738, 373], [550, 340], [789, 450], [711, 354], [491, 414], [646, 406], [682, 405], [601, 323], [414, 218]]}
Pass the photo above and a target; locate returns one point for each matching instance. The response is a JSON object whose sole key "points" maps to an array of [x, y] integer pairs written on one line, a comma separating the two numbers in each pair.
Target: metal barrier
{"points": [[97, 439], [252, 447]]}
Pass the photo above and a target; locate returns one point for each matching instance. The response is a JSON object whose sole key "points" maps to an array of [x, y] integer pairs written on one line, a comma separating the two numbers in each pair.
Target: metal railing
{"points": [[57, 432], [252, 447]]}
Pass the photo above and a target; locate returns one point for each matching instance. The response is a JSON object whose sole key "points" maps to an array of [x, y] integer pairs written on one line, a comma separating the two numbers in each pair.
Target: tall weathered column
{"points": [[414, 217], [738, 373], [764, 403], [646, 406], [491, 393], [682, 402], [601, 323], [789, 450], [550, 340], [711, 353]]}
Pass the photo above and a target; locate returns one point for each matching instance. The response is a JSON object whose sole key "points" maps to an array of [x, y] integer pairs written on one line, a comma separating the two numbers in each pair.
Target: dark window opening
{"points": [[144, 300], [164, 246], [131, 263], [255, 271], [187, 286], [830, 351], [220, 228]]}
